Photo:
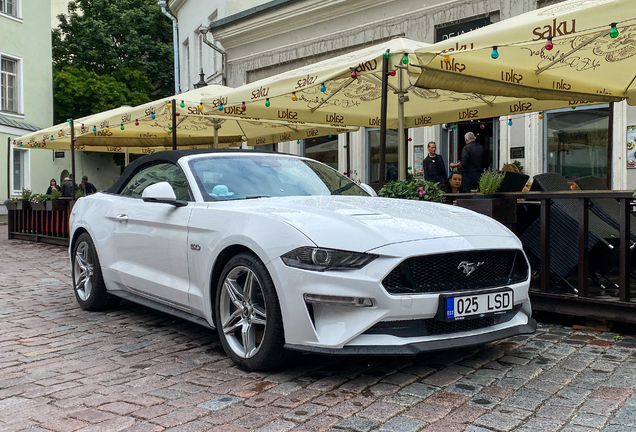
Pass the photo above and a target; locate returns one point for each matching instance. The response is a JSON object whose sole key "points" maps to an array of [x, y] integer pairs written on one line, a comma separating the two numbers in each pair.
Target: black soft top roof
{"points": [[166, 156]]}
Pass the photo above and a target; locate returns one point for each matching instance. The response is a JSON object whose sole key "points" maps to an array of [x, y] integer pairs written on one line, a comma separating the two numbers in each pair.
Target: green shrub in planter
{"points": [[490, 181], [419, 190], [55, 194]]}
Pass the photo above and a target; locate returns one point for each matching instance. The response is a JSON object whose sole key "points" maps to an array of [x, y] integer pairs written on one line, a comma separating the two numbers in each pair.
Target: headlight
{"points": [[318, 259]]}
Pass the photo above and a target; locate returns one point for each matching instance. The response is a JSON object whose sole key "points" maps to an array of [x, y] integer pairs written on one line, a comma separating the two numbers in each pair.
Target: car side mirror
{"points": [[368, 189], [162, 192]]}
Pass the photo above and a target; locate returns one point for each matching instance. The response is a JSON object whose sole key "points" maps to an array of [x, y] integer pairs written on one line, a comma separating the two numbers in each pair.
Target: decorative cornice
{"points": [[294, 16], [175, 5]]}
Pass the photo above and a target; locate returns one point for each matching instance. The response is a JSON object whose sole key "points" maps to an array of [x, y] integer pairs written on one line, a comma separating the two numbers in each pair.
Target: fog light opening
{"points": [[338, 300]]}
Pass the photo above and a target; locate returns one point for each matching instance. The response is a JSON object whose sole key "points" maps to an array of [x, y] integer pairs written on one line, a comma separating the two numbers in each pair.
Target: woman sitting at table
{"points": [[454, 184]]}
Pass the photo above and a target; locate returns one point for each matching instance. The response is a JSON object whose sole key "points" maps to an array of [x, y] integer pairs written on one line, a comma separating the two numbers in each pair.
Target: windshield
{"points": [[256, 176]]}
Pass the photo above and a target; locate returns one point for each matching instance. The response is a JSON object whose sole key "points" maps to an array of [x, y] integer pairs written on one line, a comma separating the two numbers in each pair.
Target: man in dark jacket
{"points": [[472, 162], [67, 187]]}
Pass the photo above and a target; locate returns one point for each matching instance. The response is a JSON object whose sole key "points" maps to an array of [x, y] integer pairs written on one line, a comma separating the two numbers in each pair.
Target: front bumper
{"points": [[346, 330], [426, 346]]}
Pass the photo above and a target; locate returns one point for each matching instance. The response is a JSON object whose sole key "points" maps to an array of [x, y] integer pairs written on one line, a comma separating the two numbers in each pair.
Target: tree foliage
{"points": [[108, 53]]}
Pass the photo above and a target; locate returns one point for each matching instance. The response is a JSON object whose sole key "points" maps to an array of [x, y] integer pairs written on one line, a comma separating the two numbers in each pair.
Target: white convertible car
{"points": [[282, 253]]}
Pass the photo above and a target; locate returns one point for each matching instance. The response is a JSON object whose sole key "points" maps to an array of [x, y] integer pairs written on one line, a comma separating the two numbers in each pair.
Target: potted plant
{"points": [[55, 203], [21, 203], [489, 182], [420, 190], [502, 209], [37, 202]]}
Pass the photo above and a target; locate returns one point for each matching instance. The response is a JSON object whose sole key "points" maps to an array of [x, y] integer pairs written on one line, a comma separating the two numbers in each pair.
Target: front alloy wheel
{"points": [[248, 316], [83, 271], [243, 312]]}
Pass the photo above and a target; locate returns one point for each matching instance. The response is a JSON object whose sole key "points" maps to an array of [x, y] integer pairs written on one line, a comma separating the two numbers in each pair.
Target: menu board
{"points": [[631, 146], [418, 159]]}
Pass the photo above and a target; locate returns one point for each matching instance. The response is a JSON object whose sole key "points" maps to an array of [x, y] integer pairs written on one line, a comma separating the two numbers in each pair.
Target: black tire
{"points": [[243, 317], [88, 283]]}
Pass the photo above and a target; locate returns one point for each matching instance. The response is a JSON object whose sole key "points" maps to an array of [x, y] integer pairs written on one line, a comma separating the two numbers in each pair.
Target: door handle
{"points": [[121, 218]]}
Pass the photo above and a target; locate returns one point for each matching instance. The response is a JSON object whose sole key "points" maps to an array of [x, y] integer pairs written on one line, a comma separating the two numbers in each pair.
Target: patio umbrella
{"points": [[579, 50], [153, 125], [347, 90]]}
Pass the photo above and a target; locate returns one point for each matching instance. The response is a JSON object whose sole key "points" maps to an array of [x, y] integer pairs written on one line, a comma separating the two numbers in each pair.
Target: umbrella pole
{"points": [[8, 167], [400, 135], [217, 126], [126, 158], [348, 154], [73, 155], [385, 85], [174, 124]]}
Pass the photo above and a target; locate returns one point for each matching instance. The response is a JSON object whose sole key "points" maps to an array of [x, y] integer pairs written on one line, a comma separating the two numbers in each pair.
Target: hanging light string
{"points": [[613, 32]]}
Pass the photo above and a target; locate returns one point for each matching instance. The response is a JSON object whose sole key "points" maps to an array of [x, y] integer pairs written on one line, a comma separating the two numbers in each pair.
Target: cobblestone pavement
{"points": [[133, 369]]}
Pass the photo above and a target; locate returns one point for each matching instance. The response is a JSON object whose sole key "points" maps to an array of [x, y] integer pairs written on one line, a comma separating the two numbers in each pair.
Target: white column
{"points": [[504, 140], [533, 163], [619, 153], [358, 155]]}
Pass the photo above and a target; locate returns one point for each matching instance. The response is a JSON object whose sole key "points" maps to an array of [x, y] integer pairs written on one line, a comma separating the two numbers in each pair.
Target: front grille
{"points": [[431, 327], [452, 272]]}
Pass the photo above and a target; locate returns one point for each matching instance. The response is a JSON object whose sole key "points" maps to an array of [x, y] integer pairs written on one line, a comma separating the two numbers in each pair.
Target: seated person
{"points": [[454, 184]]}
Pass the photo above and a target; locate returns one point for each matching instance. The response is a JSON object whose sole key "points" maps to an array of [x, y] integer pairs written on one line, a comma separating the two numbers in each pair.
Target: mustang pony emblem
{"points": [[468, 267]]}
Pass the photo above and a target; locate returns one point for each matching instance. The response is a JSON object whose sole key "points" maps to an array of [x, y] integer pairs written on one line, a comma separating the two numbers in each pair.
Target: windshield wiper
{"points": [[343, 188], [257, 196]]}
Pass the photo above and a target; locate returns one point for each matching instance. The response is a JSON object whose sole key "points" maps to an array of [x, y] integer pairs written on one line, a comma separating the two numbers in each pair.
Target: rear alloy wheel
{"points": [[88, 283], [248, 314]]}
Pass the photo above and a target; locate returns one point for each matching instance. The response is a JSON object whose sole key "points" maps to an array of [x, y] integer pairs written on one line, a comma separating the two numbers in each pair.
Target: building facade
{"points": [[265, 38]]}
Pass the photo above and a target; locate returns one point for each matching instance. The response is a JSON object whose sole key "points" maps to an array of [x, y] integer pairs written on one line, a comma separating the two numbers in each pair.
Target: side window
{"points": [[158, 173]]}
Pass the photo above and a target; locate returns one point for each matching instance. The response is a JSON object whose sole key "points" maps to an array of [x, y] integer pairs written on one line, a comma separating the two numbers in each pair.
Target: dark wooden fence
{"points": [[47, 223]]}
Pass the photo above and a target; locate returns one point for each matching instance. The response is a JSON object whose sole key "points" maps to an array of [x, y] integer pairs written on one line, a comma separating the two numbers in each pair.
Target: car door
{"points": [[151, 237]]}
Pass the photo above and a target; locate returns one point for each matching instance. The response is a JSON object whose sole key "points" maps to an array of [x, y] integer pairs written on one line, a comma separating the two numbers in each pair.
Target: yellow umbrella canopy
{"points": [[578, 50], [151, 125]]}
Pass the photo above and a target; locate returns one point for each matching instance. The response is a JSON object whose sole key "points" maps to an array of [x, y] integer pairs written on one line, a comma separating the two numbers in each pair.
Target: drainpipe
{"points": [[204, 32], [175, 39]]}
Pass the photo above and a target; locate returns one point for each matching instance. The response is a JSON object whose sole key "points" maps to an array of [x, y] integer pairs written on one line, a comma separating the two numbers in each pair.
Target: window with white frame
{"points": [[9, 82], [19, 170], [10, 7]]}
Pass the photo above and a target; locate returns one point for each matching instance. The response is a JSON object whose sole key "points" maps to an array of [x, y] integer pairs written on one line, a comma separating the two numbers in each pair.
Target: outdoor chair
{"points": [[564, 235], [608, 209], [513, 182]]}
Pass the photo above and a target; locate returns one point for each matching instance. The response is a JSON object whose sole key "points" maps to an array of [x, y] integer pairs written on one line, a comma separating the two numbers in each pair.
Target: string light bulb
{"points": [[294, 97], [614, 31], [169, 128], [329, 136], [540, 116], [510, 122], [267, 104], [446, 58], [83, 127], [221, 106], [200, 107], [548, 43], [243, 106], [136, 122], [122, 126], [152, 116], [298, 142], [386, 54], [495, 53], [354, 75], [60, 133], [169, 105], [177, 114], [323, 87], [68, 120], [455, 126], [482, 126], [51, 138], [405, 59], [182, 104], [573, 107], [94, 128], [392, 72], [107, 129]]}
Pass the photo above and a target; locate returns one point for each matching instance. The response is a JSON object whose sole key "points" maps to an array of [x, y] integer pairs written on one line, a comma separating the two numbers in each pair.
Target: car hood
{"points": [[365, 223]]}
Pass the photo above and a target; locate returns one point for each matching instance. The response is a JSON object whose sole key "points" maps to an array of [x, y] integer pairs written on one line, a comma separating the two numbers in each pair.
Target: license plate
{"points": [[476, 305]]}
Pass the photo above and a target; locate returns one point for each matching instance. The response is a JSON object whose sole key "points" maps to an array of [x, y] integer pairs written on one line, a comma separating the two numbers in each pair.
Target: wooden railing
{"points": [[47, 223]]}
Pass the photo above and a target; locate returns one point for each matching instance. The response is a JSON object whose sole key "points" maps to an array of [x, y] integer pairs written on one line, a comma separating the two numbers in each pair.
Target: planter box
{"points": [[56, 205], [503, 210], [38, 206], [19, 205]]}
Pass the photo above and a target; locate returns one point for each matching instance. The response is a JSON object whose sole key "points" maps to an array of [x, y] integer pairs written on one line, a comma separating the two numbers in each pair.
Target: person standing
{"points": [[67, 188], [52, 186], [472, 162], [433, 165], [87, 187]]}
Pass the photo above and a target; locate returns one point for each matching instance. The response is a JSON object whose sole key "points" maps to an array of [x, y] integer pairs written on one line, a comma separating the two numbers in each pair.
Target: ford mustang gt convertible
{"points": [[279, 253]]}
